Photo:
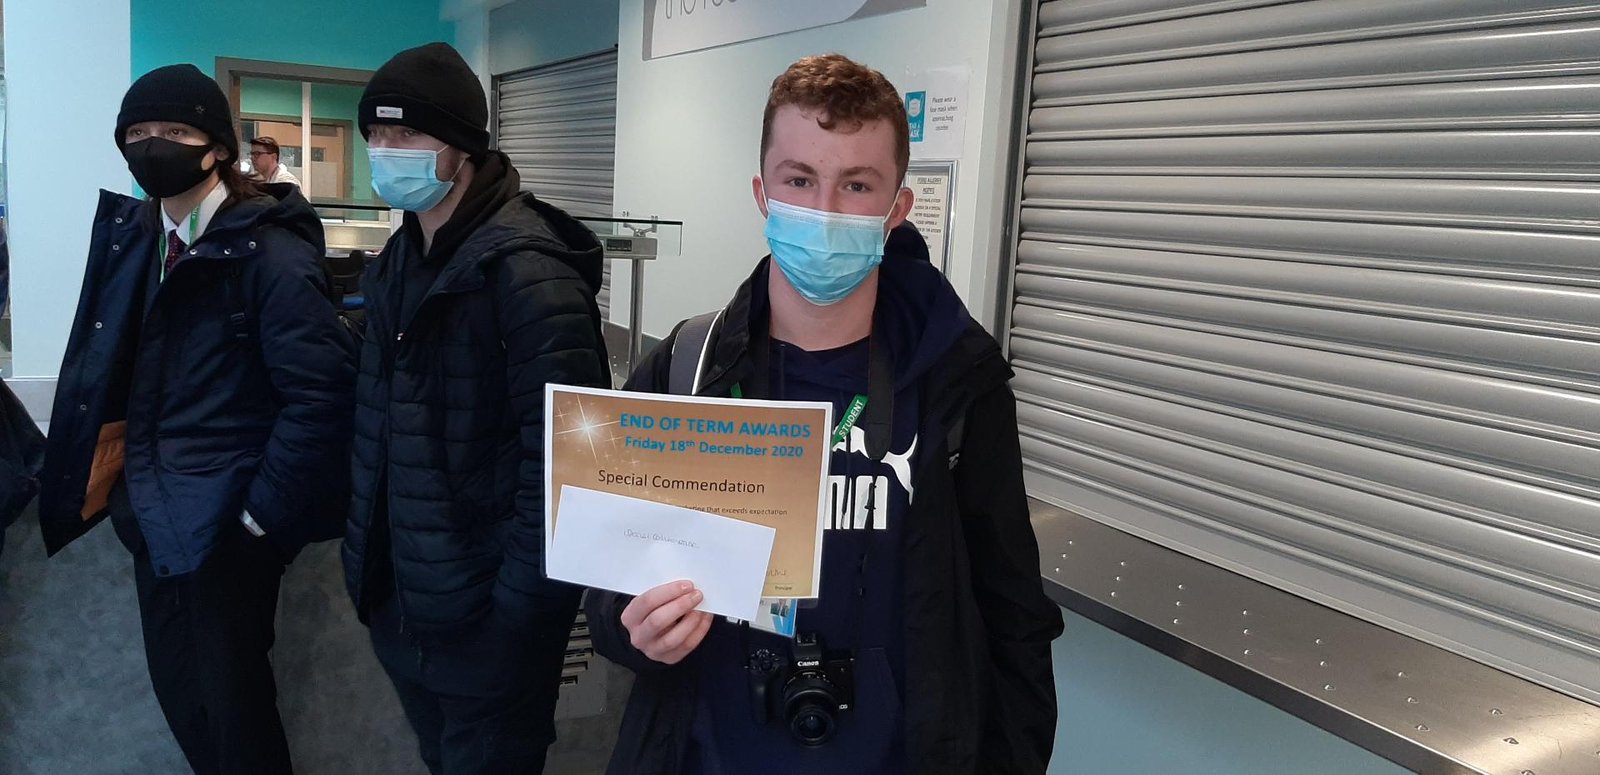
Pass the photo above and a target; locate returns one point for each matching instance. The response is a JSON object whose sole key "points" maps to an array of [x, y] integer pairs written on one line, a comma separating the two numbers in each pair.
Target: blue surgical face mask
{"points": [[407, 179], [826, 256]]}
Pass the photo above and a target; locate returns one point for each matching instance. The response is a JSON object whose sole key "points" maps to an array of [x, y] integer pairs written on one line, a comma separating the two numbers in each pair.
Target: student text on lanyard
{"points": [[161, 258]]}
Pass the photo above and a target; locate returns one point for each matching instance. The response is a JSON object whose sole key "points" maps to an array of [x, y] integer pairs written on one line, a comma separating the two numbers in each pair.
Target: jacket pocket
{"points": [[201, 454], [877, 721]]}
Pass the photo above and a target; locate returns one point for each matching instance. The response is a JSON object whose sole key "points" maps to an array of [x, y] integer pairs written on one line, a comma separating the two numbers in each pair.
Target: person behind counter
{"points": [[266, 163]]}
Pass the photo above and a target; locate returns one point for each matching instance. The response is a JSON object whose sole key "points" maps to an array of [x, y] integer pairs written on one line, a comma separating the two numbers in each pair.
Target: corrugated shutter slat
{"points": [[559, 126], [1311, 290]]}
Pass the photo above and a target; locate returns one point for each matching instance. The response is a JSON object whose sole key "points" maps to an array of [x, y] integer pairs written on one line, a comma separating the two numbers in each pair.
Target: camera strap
{"points": [[873, 412]]}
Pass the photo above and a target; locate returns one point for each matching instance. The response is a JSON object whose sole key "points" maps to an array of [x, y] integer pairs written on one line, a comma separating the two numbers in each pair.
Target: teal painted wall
{"points": [[359, 34], [1128, 709], [282, 98], [349, 33]]}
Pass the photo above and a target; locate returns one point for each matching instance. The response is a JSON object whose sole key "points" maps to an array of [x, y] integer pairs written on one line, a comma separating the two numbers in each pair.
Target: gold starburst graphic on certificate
{"points": [[599, 430]]}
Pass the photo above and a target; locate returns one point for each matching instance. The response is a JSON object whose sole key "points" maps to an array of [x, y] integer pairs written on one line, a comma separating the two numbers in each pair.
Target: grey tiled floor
{"points": [[75, 696]]}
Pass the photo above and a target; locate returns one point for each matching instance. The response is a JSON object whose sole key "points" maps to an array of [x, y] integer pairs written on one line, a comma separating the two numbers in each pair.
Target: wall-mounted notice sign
{"points": [[934, 183], [936, 106], [679, 26]]}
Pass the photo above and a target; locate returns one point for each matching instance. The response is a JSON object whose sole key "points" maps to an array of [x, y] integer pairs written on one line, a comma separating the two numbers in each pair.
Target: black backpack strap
{"points": [[241, 322], [954, 437], [689, 351]]}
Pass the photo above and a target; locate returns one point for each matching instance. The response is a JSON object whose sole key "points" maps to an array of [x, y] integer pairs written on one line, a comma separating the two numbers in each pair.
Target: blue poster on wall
{"points": [[915, 102]]}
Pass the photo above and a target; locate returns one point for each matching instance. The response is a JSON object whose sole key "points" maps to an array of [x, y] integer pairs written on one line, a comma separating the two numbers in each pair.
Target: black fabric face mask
{"points": [[164, 168]]}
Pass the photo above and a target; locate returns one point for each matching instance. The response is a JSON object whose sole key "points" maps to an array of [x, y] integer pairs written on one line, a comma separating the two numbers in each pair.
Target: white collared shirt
{"points": [[208, 209], [282, 175]]}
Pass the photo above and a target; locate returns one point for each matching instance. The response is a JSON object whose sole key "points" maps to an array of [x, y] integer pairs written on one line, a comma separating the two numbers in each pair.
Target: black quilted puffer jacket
{"points": [[448, 471]]}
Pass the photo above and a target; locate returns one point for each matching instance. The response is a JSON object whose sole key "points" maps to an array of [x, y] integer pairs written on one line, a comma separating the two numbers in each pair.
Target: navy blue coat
{"points": [[235, 378], [21, 453], [448, 507]]}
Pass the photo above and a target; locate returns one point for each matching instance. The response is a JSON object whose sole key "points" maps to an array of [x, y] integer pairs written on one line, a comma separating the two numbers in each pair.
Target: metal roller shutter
{"points": [[558, 123], [1311, 290]]}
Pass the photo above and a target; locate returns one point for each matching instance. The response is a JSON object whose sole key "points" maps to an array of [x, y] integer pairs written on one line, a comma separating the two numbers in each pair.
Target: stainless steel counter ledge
{"points": [[1423, 707]]}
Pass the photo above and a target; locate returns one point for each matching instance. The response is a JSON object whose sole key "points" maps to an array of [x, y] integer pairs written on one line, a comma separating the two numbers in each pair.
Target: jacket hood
{"points": [[281, 205], [525, 223], [919, 314]]}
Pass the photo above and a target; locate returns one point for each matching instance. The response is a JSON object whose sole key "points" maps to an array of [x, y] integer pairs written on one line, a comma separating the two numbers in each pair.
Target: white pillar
{"points": [[305, 138], [66, 67]]}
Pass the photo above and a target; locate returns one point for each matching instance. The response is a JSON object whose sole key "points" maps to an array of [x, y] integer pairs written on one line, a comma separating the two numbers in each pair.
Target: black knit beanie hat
{"points": [[183, 94], [430, 89]]}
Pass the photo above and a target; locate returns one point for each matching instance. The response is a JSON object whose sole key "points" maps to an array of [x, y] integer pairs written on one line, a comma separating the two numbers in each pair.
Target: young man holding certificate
{"points": [[928, 649]]}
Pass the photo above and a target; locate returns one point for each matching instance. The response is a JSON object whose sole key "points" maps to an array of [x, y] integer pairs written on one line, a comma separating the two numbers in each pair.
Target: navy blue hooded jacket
{"points": [[21, 453], [235, 379], [21, 444]]}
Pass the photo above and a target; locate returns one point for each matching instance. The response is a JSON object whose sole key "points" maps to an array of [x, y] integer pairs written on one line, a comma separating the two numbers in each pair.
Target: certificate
{"points": [[762, 462]]}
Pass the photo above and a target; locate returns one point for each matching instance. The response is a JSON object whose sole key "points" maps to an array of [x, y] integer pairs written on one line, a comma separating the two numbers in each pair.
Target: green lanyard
{"points": [[852, 414], [161, 258]]}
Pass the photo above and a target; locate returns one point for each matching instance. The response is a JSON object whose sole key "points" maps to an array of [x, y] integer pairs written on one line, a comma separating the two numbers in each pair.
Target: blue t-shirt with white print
{"points": [[859, 610]]}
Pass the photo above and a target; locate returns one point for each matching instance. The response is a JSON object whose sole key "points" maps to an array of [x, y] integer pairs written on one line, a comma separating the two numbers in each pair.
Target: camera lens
{"points": [[810, 703], [813, 726]]}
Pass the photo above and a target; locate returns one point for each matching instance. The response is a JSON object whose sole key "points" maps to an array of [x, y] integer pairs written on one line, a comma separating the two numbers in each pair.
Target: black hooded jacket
{"points": [[448, 471], [979, 694]]}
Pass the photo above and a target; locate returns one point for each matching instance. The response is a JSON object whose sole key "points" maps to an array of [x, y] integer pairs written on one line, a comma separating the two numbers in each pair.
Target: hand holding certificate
{"points": [[645, 489], [631, 545]]}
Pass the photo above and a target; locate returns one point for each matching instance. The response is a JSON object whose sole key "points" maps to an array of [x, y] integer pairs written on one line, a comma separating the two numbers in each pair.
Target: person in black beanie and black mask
{"points": [[483, 296], [205, 404]]}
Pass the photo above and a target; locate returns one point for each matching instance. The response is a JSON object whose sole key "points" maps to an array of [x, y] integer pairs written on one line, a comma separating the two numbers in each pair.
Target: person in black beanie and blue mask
{"points": [[483, 296], [204, 404]]}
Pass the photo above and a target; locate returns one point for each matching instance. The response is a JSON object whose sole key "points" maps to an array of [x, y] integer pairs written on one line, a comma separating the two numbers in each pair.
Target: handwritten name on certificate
{"points": [[763, 462]]}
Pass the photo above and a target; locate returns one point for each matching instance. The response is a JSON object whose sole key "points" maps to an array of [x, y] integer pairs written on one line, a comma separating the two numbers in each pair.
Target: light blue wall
{"points": [[689, 137], [66, 67], [349, 33], [1128, 709], [528, 33]]}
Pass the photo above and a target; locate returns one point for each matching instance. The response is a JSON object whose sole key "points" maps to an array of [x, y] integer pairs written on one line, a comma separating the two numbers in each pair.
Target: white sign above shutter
{"points": [[679, 26]]}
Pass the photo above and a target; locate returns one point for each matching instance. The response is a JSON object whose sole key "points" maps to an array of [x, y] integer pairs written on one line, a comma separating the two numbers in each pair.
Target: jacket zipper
{"points": [[161, 389], [387, 358], [388, 428], [388, 405], [388, 484]]}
